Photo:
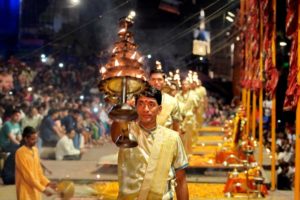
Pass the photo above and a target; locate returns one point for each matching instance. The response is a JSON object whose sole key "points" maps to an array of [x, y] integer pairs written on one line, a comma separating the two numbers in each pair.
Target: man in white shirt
{"points": [[170, 115], [65, 149]]}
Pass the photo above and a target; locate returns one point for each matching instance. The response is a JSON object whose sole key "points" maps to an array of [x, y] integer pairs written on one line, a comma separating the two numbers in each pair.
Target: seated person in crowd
{"points": [[283, 181], [8, 171], [65, 149], [33, 118], [10, 133], [74, 121], [49, 131]]}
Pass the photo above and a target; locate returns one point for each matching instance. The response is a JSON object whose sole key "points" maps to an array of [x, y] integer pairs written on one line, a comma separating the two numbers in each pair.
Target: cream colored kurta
{"points": [[170, 111], [30, 181], [188, 104], [132, 162], [201, 93]]}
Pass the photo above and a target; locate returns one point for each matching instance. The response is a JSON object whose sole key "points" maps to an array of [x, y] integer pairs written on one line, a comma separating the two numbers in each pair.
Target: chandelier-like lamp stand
{"points": [[123, 76]]}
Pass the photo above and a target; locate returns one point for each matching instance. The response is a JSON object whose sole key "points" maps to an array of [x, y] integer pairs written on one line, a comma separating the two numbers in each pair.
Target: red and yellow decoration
{"points": [[237, 182], [109, 190]]}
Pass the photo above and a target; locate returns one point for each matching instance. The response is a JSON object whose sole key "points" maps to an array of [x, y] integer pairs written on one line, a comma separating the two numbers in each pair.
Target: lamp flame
{"points": [[140, 59], [133, 55], [122, 30], [176, 77], [139, 76], [102, 70], [119, 73], [132, 14], [117, 64]]}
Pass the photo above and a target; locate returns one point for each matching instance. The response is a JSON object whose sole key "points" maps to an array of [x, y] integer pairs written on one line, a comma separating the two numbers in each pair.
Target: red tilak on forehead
{"points": [[146, 99]]}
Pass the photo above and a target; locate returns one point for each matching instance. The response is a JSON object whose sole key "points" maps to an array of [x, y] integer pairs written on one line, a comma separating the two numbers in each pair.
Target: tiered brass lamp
{"points": [[123, 76]]}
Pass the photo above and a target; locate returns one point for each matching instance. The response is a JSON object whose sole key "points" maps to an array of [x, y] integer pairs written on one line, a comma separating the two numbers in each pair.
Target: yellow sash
{"points": [[159, 165]]}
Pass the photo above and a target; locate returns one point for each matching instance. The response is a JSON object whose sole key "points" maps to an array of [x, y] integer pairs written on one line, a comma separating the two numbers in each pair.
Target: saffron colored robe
{"points": [[30, 181]]}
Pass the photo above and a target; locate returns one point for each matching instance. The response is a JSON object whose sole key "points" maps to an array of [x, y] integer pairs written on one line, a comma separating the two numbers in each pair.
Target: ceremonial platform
{"points": [[95, 175], [84, 192]]}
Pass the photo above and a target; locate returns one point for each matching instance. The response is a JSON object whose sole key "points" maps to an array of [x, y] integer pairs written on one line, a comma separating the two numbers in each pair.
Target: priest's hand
{"points": [[49, 191], [52, 185]]}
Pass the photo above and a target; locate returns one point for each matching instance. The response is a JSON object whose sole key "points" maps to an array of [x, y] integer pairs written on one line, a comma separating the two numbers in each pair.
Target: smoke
{"points": [[101, 30], [156, 42], [150, 35]]}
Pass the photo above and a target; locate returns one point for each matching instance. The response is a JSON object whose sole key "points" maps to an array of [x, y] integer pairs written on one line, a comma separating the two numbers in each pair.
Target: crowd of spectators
{"points": [[217, 111], [60, 99], [285, 147]]}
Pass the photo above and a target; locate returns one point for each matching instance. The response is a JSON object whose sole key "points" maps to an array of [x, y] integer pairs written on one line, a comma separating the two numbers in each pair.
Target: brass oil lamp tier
{"points": [[123, 76]]}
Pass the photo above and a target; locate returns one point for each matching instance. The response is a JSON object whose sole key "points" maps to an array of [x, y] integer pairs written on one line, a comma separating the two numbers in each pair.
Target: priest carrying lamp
{"points": [[122, 76]]}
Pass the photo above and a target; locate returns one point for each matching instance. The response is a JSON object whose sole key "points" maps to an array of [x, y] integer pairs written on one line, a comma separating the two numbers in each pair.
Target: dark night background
{"points": [[44, 26]]}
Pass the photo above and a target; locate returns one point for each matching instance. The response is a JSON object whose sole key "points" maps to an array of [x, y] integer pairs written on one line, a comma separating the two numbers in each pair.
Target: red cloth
{"points": [[239, 185], [223, 155]]}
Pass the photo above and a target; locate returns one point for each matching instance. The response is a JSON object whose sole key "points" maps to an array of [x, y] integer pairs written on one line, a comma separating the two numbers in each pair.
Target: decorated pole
{"points": [[254, 83], [247, 71], [260, 100], [242, 8], [260, 127], [297, 159], [273, 118], [273, 146], [253, 114], [248, 110], [244, 97], [271, 72], [291, 101]]}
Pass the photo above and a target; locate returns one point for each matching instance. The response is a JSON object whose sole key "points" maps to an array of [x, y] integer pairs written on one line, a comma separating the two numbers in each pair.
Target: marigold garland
{"points": [[109, 190], [210, 138], [205, 149]]}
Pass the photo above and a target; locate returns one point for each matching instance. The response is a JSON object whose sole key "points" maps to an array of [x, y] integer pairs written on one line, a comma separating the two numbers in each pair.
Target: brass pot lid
{"points": [[66, 189]]}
